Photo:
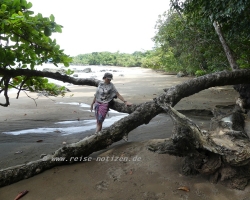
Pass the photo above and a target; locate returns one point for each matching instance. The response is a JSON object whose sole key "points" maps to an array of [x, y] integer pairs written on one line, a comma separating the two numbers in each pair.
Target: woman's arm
{"points": [[96, 93], [122, 99], [91, 107]]}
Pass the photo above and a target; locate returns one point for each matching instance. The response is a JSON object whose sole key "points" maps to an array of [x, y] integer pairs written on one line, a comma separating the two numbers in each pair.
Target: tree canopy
{"points": [[25, 42], [186, 34]]}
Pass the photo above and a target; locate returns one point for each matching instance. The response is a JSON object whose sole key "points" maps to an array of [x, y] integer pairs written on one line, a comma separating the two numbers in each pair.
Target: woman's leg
{"points": [[98, 126]]}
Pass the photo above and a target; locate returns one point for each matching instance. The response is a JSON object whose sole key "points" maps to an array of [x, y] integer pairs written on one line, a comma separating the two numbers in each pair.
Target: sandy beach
{"points": [[145, 175]]}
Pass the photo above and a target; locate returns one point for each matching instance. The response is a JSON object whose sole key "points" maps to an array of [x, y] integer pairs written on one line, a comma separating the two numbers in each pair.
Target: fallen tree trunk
{"points": [[244, 91], [141, 114], [222, 153]]}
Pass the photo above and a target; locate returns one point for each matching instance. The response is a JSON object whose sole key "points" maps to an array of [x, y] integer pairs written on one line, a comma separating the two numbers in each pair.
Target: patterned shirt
{"points": [[105, 92]]}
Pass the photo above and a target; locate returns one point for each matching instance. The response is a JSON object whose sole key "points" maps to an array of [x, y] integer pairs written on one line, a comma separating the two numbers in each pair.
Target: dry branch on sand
{"points": [[222, 153]]}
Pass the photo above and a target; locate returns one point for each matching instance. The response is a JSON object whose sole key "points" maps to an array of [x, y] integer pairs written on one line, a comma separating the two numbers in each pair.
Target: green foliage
{"points": [[25, 42], [186, 47], [200, 73], [233, 18], [233, 14], [108, 59], [160, 60], [187, 36], [153, 61], [38, 84], [69, 72]]}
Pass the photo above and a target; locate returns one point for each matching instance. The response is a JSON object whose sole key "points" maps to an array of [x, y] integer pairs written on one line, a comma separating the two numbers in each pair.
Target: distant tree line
{"points": [[135, 59], [186, 40]]}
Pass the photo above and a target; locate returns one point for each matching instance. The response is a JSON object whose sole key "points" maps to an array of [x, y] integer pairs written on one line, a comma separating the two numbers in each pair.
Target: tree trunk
{"points": [[221, 153], [142, 114], [225, 46], [241, 88]]}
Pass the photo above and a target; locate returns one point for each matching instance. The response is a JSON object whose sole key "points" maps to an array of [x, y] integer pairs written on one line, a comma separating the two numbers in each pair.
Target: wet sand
{"points": [[154, 176]]}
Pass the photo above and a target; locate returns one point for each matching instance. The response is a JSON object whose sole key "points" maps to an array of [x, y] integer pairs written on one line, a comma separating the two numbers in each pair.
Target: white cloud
{"points": [[103, 25]]}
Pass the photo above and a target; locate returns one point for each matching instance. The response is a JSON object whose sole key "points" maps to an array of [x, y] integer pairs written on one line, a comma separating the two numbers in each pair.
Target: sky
{"points": [[103, 25]]}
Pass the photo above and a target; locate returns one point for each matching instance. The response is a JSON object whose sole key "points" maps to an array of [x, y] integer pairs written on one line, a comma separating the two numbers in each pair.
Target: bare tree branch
{"points": [[21, 85], [6, 83], [57, 76]]}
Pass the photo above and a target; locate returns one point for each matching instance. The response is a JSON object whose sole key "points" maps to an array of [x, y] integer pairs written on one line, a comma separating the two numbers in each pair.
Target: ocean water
{"points": [[69, 127], [97, 71], [72, 127]]}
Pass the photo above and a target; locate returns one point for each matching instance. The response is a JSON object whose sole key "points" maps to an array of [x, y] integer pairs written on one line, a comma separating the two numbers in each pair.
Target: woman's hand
{"points": [[127, 103], [91, 107]]}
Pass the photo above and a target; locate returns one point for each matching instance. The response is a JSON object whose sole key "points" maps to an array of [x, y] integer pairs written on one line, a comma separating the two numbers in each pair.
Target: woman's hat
{"points": [[108, 76]]}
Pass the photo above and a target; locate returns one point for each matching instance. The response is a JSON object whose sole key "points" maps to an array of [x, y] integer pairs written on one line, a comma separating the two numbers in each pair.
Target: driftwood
{"points": [[223, 153]]}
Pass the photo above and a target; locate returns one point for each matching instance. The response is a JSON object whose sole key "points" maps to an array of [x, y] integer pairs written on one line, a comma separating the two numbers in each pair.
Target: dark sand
{"points": [[153, 177]]}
